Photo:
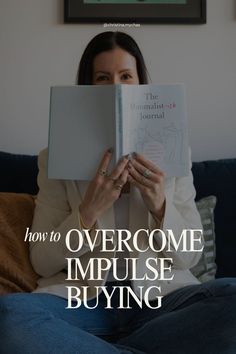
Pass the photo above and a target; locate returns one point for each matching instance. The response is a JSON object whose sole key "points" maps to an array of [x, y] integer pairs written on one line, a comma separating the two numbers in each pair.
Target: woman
{"points": [[135, 195]]}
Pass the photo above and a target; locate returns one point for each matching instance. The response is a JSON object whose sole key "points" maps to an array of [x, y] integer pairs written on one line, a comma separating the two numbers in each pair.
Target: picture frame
{"points": [[135, 11]]}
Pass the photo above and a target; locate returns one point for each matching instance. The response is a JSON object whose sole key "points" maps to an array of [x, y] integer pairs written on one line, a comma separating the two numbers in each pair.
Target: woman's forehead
{"points": [[115, 59]]}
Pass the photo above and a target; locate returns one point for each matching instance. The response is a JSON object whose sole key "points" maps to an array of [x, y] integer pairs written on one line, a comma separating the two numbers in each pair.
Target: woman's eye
{"points": [[126, 76], [102, 78]]}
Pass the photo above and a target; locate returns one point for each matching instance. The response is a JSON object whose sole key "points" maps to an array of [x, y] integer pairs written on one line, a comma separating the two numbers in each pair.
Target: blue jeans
{"points": [[192, 320]]}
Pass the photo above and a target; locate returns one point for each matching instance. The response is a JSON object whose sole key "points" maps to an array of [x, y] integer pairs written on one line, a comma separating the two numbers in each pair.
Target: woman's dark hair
{"points": [[107, 41]]}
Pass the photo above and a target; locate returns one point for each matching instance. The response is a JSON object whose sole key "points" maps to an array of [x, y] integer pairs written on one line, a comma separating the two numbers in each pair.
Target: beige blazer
{"points": [[57, 209]]}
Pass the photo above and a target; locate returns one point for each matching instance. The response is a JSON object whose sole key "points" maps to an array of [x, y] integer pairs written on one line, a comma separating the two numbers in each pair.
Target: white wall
{"points": [[37, 50]]}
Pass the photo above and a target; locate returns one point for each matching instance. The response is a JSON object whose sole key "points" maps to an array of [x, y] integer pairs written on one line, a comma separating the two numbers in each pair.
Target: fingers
{"points": [[140, 186], [147, 163], [121, 181], [139, 169], [144, 174], [119, 168], [124, 176], [103, 166], [137, 175], [117, 179]]}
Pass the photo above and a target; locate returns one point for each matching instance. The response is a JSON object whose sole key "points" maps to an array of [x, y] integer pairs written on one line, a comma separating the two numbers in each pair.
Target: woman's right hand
{"points": [[103, 190]]}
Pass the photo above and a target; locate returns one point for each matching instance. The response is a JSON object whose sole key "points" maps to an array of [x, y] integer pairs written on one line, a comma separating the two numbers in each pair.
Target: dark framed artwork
{"points": [[135, 11]]}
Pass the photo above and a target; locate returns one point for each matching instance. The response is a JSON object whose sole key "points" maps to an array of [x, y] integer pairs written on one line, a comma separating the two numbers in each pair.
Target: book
{"points": [[86, 120]]}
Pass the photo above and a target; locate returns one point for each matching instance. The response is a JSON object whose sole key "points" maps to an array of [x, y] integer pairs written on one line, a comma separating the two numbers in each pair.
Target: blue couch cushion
{"points": [[18, 173], [219, 178]]}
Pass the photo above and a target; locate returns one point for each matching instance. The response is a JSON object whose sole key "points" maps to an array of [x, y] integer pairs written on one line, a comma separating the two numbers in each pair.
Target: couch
{"points": [[18, 178]]}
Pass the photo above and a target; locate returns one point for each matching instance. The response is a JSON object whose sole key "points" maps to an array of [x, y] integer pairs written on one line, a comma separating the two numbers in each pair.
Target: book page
{"points": [[155, 125]]}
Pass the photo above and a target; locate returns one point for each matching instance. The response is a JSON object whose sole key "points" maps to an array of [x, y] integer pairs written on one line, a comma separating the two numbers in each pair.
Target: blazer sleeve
{"points": [[181, 214], [53, 214]]}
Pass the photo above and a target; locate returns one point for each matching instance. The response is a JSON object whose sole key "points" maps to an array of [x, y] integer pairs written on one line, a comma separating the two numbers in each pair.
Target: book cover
{"points": [[87, 120]]}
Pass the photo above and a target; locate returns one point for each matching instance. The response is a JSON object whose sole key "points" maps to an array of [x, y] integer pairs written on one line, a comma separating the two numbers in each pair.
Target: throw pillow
{"points": [[16, 272], [205, 270]]}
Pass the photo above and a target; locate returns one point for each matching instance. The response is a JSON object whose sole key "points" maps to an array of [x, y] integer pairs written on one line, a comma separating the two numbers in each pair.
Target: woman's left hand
{"points": [[149, 179]]}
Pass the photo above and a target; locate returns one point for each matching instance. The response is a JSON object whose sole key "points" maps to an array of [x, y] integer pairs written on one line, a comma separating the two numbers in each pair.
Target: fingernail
{"points": [[129, 157], [110, 150]]}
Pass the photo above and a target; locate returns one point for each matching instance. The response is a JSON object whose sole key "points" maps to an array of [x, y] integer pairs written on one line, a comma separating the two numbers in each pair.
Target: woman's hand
{"points": [[103, 190], [149, 179]]}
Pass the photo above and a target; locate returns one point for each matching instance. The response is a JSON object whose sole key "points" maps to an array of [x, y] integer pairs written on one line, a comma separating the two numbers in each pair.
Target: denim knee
{"points": [[16, 307]]}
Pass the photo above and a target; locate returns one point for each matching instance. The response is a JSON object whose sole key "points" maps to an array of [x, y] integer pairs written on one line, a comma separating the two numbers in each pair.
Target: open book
{"points": [[87, 120]]}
